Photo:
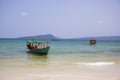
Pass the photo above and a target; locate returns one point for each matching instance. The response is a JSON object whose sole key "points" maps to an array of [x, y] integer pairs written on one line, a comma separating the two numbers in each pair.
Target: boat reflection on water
{"points": [[37, 57]]}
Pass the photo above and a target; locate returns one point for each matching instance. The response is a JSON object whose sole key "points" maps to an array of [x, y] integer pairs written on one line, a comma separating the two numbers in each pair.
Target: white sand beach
{"points": [[60, 72]]}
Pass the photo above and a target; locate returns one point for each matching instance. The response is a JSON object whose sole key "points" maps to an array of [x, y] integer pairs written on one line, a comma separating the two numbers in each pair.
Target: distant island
{"points": [[53, 38], [41, 37]]}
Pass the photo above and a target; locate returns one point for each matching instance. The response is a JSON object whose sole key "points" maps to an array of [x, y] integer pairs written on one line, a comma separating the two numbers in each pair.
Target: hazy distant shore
{"points": [[53, 38]]}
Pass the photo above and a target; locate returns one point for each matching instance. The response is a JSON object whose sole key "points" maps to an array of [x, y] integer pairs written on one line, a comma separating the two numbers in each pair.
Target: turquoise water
{"points": [[82, 52], [67, 52], [66, 60]]}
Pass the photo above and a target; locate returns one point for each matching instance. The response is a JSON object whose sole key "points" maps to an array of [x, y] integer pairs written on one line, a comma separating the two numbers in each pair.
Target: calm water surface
{"points": [[69, 52], [64, 57]]}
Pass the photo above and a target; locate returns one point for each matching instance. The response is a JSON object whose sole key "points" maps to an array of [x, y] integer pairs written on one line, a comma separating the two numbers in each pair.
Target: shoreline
{"points": [[62, 72]]}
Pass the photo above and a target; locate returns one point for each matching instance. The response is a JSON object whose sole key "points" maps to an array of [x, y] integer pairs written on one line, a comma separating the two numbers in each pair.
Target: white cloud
{"points": [[24, 13], [100, 22]]}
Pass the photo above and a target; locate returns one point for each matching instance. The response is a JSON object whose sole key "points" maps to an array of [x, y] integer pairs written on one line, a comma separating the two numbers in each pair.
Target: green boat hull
{"points": [[42, 51]]}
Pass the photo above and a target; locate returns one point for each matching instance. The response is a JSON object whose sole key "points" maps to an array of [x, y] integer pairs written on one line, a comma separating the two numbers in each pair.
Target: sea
{"points": [[66, 60]]}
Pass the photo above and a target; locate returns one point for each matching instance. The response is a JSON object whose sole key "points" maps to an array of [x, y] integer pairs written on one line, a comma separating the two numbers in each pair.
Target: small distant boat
{"points": [[92, 42], [38, 47]]}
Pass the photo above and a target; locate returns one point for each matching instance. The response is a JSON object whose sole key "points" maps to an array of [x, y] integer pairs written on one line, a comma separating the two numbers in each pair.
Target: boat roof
{"points": [[32, 41], [35, 41]]}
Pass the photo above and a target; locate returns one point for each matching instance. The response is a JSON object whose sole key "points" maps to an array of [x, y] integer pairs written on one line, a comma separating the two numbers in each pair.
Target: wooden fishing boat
{"points": [[92, 42], [38, 47]]}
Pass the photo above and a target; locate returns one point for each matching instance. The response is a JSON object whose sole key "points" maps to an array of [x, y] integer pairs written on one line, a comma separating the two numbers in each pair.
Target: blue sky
{"points": [[62, 18]]}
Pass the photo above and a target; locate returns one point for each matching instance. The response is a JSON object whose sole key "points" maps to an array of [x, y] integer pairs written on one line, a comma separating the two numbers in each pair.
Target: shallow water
{"points": [[66, 60]]}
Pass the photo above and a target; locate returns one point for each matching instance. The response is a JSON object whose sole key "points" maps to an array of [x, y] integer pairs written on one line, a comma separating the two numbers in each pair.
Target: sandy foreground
{"points": [[61, 73]]}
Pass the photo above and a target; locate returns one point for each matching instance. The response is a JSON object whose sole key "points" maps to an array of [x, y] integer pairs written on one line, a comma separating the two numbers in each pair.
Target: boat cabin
{"points": [[33, 44]]}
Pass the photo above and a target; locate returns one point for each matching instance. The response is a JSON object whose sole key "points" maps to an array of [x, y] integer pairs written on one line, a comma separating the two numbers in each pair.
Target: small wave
{"points": [[97, 63]]}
